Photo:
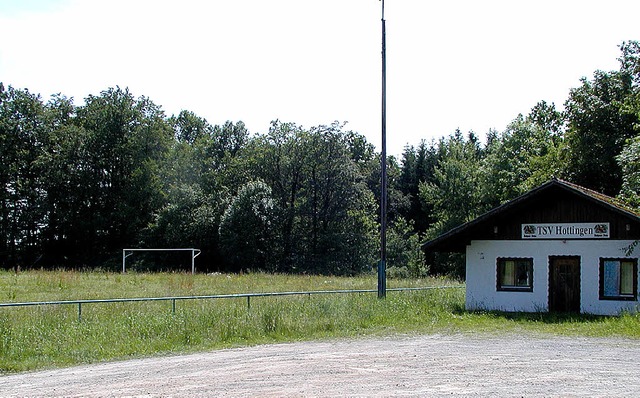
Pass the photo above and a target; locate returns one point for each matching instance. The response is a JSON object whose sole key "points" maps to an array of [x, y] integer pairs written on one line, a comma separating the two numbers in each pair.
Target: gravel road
{"points": [[400, 366]]}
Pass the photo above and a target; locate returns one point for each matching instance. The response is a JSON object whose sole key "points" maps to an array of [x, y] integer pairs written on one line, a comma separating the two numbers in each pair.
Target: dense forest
{"points": [[80, 183]]}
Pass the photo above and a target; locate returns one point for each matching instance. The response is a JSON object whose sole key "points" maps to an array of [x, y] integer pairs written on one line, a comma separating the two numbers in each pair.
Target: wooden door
{"points": [[564, 284]]}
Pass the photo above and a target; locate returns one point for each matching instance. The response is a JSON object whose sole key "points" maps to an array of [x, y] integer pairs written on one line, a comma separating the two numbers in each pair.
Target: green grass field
{"points": [[52, 336]]}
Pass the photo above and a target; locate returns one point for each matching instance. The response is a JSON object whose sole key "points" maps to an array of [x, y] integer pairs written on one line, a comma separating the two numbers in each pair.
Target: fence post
{"points": [[248, 302], [173, 306], [79, 312]]}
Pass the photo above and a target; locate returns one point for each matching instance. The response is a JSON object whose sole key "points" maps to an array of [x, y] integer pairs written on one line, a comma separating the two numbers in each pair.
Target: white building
{"points": [[559, 247]]}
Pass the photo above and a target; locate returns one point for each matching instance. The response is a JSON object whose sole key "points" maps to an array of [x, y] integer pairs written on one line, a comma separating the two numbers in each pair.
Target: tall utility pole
{"points": [[382, 265]]}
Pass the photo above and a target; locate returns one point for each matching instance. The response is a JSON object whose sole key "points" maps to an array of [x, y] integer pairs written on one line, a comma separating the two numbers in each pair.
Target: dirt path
{"points": [[436, 365]]}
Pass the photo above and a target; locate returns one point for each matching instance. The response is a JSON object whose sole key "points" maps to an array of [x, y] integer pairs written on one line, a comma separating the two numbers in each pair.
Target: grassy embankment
{"points": [[52, 336]]}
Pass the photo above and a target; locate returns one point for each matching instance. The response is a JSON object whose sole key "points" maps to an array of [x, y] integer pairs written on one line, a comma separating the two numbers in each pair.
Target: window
{"points": [[618, 279], [515, 274]]}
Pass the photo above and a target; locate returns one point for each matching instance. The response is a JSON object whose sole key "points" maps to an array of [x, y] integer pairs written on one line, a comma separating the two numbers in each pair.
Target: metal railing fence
{"points": [[248, 296]]}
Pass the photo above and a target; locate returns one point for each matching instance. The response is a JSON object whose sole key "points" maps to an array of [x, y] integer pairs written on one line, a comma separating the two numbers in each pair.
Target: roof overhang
{"points": [[456, 239]]}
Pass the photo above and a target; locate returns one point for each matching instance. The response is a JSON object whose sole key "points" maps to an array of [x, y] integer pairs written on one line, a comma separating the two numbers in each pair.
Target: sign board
{"points": [[566, 231]]}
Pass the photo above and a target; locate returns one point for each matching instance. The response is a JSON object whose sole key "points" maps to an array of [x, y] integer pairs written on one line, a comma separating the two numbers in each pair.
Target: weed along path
{"points": [[431, 365]]}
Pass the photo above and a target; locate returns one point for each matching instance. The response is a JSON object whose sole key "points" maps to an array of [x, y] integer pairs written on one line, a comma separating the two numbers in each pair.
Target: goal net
{"points": [[128, 252]]}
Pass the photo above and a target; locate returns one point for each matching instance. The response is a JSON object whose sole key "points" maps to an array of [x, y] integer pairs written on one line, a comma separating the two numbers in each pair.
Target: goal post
{"points": [[194, 253]]}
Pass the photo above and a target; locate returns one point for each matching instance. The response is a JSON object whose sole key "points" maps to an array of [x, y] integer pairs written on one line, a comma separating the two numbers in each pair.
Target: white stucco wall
{"points": [[481, 274]]}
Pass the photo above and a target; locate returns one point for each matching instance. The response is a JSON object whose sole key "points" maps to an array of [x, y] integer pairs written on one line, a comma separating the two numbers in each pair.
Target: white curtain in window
{"points": [[509, 273], [626, 278]]}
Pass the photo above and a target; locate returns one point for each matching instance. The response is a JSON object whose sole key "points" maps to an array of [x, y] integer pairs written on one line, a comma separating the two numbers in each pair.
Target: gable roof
{"points": [[455, 240]]}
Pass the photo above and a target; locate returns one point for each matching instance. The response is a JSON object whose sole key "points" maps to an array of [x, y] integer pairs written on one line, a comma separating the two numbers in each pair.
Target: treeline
{"points": [[80, 183]]}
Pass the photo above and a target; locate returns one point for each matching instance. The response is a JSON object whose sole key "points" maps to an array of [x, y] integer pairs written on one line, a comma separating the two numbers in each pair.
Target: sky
{"points": [[467, 64]]}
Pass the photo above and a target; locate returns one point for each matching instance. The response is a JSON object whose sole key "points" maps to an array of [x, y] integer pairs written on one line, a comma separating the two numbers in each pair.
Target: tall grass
{"points": [[52, 336], [73, 285]]}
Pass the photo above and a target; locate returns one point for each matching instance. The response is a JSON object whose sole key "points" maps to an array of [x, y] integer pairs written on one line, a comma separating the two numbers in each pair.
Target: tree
{"points": [[247, 227], [22, 129], [629, 161], [524, 156], [405, 259], [417, 167], [189, 127], [454, 194], [190, 218], [323, 202], [66, 175], [547, 118], [332, 205], [276, 159], [597, 130], [218, 154], [185, 162], [81, 183], [127, 139]]}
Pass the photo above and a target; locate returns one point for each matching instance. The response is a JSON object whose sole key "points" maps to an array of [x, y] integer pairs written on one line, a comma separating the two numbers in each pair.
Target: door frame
{"points": [[554, 304]]}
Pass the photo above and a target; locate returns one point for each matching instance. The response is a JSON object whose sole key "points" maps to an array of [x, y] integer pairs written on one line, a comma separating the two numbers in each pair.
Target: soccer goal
{"points": [[127, 252]]}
